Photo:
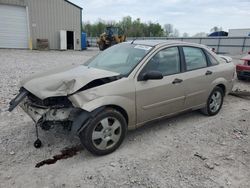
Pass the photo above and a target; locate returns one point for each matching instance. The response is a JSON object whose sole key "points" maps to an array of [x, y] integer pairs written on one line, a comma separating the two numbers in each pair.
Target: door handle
{"points": [[177, 80], [208, 72]]}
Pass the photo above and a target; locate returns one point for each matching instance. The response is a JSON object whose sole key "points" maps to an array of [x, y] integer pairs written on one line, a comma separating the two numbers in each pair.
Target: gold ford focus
{"points": [[124, 87]]}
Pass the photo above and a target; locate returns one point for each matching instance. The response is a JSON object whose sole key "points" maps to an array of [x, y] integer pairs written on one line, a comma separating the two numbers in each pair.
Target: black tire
{"points": [[102, 46], [86, 136], [240, 77], [208, 110], [113, 43]]}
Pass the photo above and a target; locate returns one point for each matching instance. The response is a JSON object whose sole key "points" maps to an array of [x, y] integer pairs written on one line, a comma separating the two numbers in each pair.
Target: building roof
{"points": [[73, 4]]}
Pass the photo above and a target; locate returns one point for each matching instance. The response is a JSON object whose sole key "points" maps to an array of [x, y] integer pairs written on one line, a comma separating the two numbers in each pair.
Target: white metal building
{"points": [[239, 32], [22, 22]]}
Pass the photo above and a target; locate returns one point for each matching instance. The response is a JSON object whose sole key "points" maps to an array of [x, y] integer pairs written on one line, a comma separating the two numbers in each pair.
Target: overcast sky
{"points": [[191, 16]]}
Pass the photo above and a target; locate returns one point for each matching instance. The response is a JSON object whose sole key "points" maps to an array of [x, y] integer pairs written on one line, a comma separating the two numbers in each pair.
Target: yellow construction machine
{"points": [[111, 36]]}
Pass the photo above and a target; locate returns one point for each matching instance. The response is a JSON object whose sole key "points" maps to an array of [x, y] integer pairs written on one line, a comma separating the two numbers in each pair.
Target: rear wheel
{"points": [[105, 132], [214, 102]]}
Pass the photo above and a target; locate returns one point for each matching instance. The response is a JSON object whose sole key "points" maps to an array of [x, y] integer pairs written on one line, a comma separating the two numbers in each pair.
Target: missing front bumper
{"points": [[19, 98], [74, 118], [46, 113]]}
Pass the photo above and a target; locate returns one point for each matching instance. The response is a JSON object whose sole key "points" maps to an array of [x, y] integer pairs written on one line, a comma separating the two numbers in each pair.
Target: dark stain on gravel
{"points": [[65, 154]]}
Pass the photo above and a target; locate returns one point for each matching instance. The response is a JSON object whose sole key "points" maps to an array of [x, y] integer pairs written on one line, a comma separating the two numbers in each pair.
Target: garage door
{"points": [[13, 27]]}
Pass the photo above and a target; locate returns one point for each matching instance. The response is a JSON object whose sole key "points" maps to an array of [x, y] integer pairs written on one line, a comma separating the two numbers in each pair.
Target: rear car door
{"points": [[199, 76], [157, 98]]}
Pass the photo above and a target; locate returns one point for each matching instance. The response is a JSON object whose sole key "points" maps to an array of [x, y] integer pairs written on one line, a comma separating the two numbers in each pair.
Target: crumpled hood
{"points": [[64, 81]]}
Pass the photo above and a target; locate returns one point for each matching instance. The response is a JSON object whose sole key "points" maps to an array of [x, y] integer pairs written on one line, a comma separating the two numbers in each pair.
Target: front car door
{"points": [[158, 98]]}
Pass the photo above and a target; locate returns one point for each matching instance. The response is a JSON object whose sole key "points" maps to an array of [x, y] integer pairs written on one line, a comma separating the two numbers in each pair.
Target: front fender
{"points": [[127, 104]]}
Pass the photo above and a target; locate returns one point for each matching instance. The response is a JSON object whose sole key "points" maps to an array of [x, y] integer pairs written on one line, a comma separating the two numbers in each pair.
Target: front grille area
{"points": [[246, 73], [60, 102]]}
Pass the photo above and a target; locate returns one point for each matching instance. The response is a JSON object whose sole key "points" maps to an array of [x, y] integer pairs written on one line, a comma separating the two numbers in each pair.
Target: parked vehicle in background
{"points": [[112, 35], [218, 34], [243, 70], [124, 87]]}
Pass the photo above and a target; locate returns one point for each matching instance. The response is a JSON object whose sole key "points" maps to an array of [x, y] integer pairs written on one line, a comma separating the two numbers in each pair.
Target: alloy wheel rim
{"points": [[215, 102], [106, 133]]}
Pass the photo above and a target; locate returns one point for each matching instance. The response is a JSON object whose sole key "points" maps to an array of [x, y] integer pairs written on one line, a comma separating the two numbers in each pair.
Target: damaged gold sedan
{"points": [[124, 87]]}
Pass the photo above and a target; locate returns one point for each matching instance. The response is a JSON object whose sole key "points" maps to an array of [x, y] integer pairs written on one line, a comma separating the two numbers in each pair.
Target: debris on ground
{"points": [[209, 165], [112, 164], [12, 153], [90, 177], [216, 164], [200, 156], [242, 94], [242, 120], [244, 151], [238, 133], [229, 158]]}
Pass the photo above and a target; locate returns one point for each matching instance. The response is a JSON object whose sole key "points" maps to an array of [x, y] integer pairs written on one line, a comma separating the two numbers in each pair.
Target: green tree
{"points": [[131, 28]]}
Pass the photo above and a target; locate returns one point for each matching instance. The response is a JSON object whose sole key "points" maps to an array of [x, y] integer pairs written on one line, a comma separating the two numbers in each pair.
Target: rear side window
{"points": [[212, 59], [195, 58]]}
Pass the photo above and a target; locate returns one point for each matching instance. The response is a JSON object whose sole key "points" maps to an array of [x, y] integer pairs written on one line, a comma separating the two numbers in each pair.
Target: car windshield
{"points": [[121, 58]]}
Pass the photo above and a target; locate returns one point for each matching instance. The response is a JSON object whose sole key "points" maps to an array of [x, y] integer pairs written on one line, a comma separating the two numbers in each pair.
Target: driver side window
{"points": [[167, 61]]}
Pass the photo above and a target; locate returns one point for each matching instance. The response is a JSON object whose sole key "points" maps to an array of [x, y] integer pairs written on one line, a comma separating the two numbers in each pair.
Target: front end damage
{"points": [[50, 112], [48, 115], [48, 97]]}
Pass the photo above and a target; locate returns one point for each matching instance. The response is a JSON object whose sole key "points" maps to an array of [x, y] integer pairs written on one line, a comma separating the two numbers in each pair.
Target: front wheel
{"points": [[214, 102], [105, 132]]}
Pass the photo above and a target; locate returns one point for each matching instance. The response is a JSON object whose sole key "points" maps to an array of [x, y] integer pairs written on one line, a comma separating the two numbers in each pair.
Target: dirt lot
{"points": [[190, 150]]}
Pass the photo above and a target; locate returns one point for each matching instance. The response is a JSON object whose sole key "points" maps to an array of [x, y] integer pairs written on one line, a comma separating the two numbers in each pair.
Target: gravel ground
{"points": [[190, 150]]}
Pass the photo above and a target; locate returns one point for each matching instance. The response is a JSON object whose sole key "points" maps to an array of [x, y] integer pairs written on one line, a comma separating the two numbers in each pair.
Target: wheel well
{"points": [[121, 110], [223, 87]]}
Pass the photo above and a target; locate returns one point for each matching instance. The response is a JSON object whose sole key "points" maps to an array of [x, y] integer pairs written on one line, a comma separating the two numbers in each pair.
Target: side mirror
{"points": [[152, 75]]}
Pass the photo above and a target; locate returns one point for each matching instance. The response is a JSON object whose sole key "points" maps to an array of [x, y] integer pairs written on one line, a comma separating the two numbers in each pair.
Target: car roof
{"points": [[157, 42]]}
